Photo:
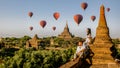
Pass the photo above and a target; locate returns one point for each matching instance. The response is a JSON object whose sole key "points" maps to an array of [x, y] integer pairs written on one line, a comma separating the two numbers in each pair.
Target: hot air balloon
{"points": [[30, 14], [54, 28], [84, 5], [56, 15], [43, 23], [108, 9], [78, 18], [93, 18], [31, 28]]}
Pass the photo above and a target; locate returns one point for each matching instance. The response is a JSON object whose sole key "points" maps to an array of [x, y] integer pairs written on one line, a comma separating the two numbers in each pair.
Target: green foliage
{"points": [[15, 42], [12, 42], [2, 65], [31, 58], [116, 41], [118, 54], [66, 43], [7, 52], [58, 40], [75, 40], [25, 38], [118, 50]]}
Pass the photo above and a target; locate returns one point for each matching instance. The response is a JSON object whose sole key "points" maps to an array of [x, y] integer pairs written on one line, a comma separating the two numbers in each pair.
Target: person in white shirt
{"points": [[89, 37], [80, 50]]}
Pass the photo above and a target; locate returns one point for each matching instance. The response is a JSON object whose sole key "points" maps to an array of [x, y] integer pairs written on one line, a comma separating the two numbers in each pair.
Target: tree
{"points": [[39, 58], [23, 40]]}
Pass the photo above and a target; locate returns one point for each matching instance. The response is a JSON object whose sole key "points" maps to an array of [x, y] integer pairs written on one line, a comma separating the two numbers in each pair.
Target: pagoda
{"points": [[102, 32], [34, 42], [102, 44], [66, 35]]}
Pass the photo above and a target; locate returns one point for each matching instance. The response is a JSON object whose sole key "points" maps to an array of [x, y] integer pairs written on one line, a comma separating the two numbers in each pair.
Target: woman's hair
{"points": [[88, 31]]}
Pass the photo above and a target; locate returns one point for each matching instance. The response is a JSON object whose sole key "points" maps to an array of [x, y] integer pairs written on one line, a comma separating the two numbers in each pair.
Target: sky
{"points": [[15, 22]]}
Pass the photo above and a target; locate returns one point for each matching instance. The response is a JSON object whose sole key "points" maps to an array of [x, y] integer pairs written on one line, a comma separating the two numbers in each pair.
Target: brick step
{"points": [[99, 47], [103, 58], [107, 65], [108, 57], [101, 51], [92, 47], [99, 61], [104, 50], [104, 55], [102, 43], [102, 46]]}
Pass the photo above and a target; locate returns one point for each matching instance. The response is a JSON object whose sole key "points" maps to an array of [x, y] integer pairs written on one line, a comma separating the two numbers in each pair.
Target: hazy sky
{"points": [[15, 22]]}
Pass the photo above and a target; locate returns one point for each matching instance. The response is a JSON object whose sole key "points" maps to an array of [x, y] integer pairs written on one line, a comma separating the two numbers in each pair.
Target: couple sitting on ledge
{"points": [[83, 49]]}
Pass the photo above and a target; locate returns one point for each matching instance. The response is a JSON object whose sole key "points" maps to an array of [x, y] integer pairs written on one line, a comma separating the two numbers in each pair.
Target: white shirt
{"points": [[88, 40], [80, 48]]}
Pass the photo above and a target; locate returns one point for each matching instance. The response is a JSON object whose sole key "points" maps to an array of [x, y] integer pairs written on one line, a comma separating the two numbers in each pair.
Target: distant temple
{"points": [[66, 35], [34, 42]]}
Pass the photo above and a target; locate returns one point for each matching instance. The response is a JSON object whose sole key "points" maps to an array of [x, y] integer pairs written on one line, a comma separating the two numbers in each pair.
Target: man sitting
{"points": [[80, 50]]}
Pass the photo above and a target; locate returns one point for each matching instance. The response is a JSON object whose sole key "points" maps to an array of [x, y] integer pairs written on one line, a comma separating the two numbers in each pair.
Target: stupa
{"points": [[102, 32], [34, 42], [66, 35], [101, 47]]}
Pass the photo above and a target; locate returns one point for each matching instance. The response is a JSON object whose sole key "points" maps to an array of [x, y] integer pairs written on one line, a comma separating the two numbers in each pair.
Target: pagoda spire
{"points": [[35, 37], [102, 31], [66, 33], [102, 20], [102, 8], [66, 25]]}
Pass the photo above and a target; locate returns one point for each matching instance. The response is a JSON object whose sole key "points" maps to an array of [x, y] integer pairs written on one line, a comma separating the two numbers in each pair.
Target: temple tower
{"points": [[102, 43], [34, 42], [102, 32], [66, 35]]}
